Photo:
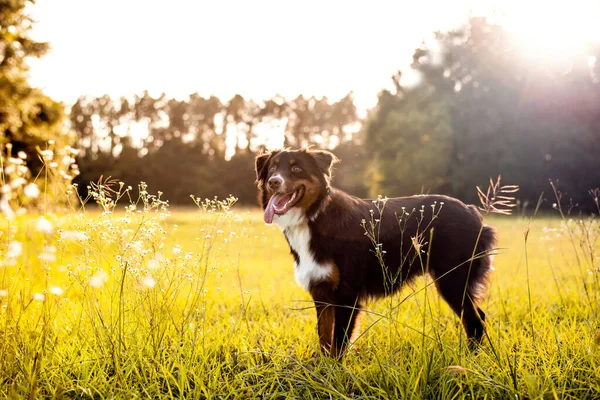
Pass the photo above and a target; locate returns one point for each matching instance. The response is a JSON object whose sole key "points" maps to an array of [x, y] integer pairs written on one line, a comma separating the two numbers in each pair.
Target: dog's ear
{"points": [[261, 163], [325, 160]]}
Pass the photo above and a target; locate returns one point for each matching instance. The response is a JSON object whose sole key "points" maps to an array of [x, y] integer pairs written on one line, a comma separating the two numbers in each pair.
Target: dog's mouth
{"points": [[280, 203]]}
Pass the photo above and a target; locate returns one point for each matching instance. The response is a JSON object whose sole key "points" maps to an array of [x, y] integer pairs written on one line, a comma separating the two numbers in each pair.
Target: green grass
{"points": [[204, 304]]}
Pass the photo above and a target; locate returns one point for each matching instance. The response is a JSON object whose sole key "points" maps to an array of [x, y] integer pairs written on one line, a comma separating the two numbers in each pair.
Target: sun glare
{"points": [[359, 51], [552, 32]]}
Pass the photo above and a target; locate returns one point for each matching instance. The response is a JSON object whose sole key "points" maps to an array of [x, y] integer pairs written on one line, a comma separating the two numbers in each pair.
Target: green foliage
{"points": [[29, 120], [409, 140], [494, 112]]}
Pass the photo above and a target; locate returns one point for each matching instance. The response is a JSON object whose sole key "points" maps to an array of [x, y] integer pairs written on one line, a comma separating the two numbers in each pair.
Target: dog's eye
{"points": [[296, 168], [272, 168]]}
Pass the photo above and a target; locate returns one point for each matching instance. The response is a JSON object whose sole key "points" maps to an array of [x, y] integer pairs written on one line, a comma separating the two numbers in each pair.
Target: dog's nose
{"points": [[275, 182]]}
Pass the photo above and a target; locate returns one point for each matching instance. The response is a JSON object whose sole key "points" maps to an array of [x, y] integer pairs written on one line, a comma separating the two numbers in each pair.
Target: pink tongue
{"points": [[270, 210]]}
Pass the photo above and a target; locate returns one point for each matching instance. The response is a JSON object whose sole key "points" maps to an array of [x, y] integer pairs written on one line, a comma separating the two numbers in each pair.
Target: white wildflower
{"points": [[43, 225], [48, 254], [148, 281], [74, 235], [47, 155], [56, 290], [98, 279], [136, 246], [15, 161], [177, 249], [32, 191], [18, 182], [3, 293], [14, 249], [39, 297]]}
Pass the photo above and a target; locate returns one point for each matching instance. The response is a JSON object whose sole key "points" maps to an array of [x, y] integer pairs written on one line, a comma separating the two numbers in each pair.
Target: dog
{"points": [[347, 250]]}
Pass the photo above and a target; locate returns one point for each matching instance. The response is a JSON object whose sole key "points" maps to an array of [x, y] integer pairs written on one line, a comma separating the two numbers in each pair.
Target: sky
{"points": [[260, 48]]}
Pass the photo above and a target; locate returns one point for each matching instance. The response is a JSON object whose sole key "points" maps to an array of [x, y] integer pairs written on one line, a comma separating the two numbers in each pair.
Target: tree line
{"points": [[202, 145], [480, 109]]}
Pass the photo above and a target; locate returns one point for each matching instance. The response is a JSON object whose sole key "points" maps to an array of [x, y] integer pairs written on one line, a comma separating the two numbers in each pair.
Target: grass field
{"points": [[203, 304]]}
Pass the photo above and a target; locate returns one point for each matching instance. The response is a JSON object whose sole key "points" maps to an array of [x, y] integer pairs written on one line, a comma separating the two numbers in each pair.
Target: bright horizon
{"points": [[262, 48]]}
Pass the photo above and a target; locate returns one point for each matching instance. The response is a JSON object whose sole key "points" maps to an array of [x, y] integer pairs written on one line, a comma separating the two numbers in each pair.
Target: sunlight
{"points": [[357, 50], [552, 33]]}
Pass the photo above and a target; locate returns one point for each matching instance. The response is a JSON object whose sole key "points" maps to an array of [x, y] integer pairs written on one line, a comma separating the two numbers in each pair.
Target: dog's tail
{"points": [[482, 264]]}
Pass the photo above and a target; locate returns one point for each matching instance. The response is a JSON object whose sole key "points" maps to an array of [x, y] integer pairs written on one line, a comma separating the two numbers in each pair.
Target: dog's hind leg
{"points": [[473, 318], [462, 288]]}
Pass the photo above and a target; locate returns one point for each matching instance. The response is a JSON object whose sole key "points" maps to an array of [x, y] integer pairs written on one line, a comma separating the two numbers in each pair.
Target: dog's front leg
{"points": [[346, 318], [322, 296], [325, 318]]}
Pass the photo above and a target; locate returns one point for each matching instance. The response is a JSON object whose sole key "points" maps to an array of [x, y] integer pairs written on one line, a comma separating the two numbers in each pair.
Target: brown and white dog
{"points": [[335, 258]]}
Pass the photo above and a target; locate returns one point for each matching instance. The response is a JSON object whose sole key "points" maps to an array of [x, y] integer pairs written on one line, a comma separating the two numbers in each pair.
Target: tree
{"points": [[489, 111], [29, 120], [409, 138], [204, 146]]}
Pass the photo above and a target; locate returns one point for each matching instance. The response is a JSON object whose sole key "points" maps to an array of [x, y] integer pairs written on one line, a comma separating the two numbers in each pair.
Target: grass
{"points": [[203, 304]]}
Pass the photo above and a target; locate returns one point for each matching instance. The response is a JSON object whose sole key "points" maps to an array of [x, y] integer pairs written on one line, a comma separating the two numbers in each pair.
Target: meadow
{"points": [[147, 302]]}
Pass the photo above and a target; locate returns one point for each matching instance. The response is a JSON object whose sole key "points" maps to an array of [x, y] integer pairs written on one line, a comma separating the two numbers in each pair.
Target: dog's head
{"points": [[293, 179]]}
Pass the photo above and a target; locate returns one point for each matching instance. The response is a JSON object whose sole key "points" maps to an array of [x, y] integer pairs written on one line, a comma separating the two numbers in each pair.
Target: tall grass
{"points": [[139, 301]]}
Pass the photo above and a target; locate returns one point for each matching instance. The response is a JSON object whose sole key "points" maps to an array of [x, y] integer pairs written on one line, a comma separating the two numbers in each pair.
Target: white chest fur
{"points": [[295, 227]]}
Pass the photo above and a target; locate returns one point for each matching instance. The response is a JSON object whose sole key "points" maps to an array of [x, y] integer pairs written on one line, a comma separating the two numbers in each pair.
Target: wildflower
{"points": [[149, 282], [14, 249], [44, 226], [22, 155], [416, 243], [74, 235], [55, 290], [3, 293], [136, 246], [177, 249], [32, 191], [18, 182], [15, 161], [39, 297], [48, 254], [47, 155], [98, 279]]}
